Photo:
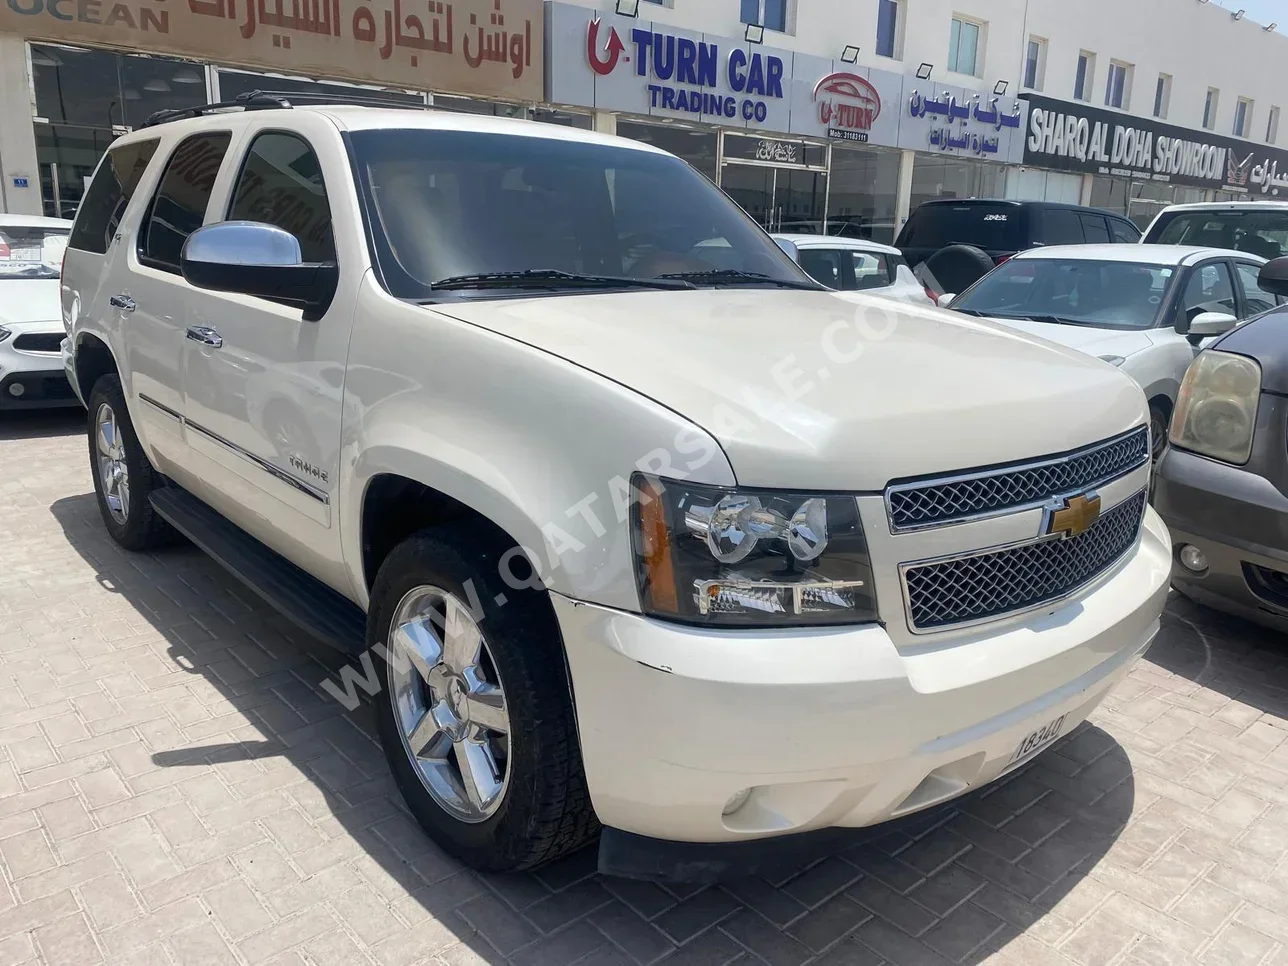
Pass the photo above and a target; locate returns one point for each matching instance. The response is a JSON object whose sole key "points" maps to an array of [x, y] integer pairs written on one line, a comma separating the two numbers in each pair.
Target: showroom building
{"points": [[814, 114]]}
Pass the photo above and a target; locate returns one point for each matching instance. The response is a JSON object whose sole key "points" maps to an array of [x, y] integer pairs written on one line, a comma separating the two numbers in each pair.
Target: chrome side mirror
{"points": [[251, 258]]}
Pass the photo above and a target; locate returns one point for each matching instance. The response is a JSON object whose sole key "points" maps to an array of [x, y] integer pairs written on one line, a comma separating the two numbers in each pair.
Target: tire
{"points": [[542, 809], [955, 268], [1159, 419], [131, 521]]}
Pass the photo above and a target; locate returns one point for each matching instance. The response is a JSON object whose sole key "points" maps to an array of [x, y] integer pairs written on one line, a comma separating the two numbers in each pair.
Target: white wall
{"points": [[1199, 44], [17, 138]]}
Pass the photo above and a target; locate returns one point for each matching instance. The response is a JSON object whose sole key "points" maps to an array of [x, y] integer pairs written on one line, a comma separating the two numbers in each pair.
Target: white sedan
{"points": [[1144, 308], [31, 327], [856, 265]]}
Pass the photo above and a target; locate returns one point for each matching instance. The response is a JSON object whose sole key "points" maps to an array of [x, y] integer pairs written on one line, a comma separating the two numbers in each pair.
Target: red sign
{"points": [[847, 105]]}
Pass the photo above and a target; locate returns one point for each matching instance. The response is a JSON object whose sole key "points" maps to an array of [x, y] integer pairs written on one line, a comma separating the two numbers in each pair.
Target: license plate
{"points": [[1039, 739]]}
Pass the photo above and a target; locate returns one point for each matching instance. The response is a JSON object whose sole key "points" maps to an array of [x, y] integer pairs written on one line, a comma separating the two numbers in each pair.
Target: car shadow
{"points": [[34, 423], [953, 884]]}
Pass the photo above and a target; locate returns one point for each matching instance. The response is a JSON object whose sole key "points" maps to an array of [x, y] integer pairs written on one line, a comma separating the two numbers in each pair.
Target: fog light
{"points": [[1192, 559], [17, 389], [736, 801]]}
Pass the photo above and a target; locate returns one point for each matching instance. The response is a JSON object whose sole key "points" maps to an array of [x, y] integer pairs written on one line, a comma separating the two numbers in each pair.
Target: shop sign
{"points": [[975, 124], [1075, 137], [489, 47], [848, 105], [773, 151]]}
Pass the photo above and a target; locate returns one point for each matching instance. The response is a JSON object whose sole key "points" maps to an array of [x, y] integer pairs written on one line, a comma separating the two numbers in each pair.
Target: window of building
{"points": [[1162, 95], [698, 147], [1242, 117], [1272, 126], [1085, 76], [1118, 85], [964, 48], [1035, 64], [179, 206], [888, 29], [862, 189], [281, 184], [1209, 108], [770, 14]]}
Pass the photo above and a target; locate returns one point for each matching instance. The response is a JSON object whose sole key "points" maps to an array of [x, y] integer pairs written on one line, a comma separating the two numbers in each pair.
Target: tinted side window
{"points": [[872, 270], [1257, 298], [993, 227], [1210, 289], [1061, 227], [109, 194], [823, 265], [281, 184], [179, 206], [1124, 231], [1093, 228]]}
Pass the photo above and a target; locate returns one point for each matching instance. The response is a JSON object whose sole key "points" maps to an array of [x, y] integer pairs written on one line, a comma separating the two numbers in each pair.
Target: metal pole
{"points": [[58, 200], [827, 190]]}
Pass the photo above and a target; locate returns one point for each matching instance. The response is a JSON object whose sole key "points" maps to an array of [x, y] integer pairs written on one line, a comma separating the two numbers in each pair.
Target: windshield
{"points": [[452, 206], [31, 252], [1263, 233], [1106, 294]]}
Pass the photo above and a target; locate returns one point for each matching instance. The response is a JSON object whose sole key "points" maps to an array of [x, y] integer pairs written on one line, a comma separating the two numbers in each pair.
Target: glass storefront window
{"points": [[233, 83], [567, 118], [1141, 200], [67, 156], [696, 146], [99, 88], [955, 178], [468, 105], [864, 183]]}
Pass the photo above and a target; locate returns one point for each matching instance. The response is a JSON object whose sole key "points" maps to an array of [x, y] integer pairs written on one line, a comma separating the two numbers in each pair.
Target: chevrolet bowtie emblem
{"points": [[1073, 515]]}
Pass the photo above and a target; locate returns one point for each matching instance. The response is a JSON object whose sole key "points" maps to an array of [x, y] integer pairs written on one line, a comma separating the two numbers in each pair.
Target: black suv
{"points": [[999, 229]]}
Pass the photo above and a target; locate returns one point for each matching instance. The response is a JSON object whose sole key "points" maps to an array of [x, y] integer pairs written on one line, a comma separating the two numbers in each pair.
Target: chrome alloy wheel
{"points": [[449, 703], [113, 473]]}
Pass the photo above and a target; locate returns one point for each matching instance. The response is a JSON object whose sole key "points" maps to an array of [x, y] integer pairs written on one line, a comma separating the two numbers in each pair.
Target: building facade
{"points": [[816, 115]]}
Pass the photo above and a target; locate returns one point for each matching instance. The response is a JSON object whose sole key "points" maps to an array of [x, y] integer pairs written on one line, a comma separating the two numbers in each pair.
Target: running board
{"points": [[304, 600]]}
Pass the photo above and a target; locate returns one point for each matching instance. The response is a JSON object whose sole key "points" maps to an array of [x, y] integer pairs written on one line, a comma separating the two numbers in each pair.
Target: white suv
{"points": [[701, 554]]}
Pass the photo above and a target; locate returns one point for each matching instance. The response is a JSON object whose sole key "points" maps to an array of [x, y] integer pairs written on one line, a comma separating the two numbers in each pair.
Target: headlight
{"points": [[1216, 409], [4, 333], [1113, 360], [768, 558]]}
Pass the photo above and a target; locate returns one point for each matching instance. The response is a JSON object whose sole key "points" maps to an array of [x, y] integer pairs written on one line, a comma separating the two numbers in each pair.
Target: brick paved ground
{"points": [[174, 788]]}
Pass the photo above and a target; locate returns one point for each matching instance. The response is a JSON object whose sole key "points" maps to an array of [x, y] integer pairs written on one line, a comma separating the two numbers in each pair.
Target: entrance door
{"points": [[781, 184]]}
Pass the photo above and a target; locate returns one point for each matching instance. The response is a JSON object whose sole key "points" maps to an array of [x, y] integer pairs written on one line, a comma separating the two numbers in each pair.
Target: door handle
{"points": [[205, 335], [122, 302]]}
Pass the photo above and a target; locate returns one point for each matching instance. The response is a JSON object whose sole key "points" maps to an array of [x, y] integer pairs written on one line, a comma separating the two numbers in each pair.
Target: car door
{"points": [[1253, 298], [153, 298], [263, 385], [1094, 229]]}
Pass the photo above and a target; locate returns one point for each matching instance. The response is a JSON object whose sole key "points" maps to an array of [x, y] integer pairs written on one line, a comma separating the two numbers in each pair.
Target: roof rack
{"points": [[272, 100]]}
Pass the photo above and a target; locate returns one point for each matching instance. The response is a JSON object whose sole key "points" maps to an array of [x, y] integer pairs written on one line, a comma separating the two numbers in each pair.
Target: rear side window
{"points": [[824, 265], [1061, 227], [1257, 298], [991, 227], [1094, 229], [179, 206], [1124, 231], [109, 194], [872, 270], [281, 184]]}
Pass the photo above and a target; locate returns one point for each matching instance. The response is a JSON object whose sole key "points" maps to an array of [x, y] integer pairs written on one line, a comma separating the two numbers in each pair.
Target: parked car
{"points": [[31, 326], [1222, 484], [1257, 227], [1144, 308], [852, 265], [953, 242], [549, 498]]}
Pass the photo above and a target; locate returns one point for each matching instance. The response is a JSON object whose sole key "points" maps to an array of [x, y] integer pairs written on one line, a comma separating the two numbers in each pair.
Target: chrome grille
{"points": [[989, 585], [942, 501]]}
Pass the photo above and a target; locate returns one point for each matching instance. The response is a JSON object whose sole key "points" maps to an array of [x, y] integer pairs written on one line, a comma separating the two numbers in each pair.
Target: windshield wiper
{"points": [[1056, 319], [975, 312], [735, 275], [549, 278]]}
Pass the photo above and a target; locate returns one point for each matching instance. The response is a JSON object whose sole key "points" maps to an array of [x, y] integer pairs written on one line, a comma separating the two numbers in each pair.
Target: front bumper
{"points": [[32, 379], [834, 727], [1236, 517]]}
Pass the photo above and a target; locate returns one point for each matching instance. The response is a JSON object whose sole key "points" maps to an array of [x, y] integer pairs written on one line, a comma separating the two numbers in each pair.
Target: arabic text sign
{"points": [[1075, 137], [962, 122], [490, 47]]}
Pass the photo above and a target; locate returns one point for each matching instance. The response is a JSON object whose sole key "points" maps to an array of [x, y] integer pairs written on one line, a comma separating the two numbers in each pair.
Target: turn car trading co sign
{"points": [[1076, 137]]}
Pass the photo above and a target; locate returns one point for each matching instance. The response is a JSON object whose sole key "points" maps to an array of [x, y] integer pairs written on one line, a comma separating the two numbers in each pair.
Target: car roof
{"points": [[1015, 203], [33, 221], [1227, 206], [1139, 254], [836, 241], [349, 117]]}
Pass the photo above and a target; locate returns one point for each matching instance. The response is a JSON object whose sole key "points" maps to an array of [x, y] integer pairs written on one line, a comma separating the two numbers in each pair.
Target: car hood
{"points": [[804, 389], [29, 300], [1084, 338]]}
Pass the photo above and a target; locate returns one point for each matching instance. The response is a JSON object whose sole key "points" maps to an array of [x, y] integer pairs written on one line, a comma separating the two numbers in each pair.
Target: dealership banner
{"points": [[488, 47], [1077, 137], [636, 66]]}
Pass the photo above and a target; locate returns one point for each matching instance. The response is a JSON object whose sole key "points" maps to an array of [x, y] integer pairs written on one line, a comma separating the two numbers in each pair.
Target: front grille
{"points": [[39, 341], [988, 585], [943, 501]]}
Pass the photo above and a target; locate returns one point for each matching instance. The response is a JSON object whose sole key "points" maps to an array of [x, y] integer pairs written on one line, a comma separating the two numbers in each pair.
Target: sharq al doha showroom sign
{"points": [[633, 66]]}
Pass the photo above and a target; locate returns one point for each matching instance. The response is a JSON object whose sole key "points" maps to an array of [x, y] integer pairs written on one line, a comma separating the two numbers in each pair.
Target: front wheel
{"points": [[475, 712]]}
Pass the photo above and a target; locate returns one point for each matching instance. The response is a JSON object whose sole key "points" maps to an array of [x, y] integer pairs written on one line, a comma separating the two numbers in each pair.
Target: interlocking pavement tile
{"points": [[1237, 945], [109, 900], [283, 935], [201, 946], [27, 853], [642, 941], [768, 943], [713, 948], [829, 923], [500, 925], [557, 910], [696, 913], [68, 940], [821, 881], [576, 943], [887, 904], [1098, 940], [237, 908], [962, 931]]}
